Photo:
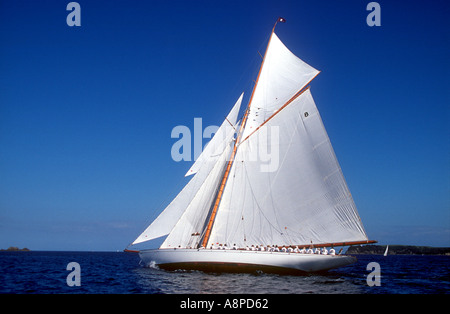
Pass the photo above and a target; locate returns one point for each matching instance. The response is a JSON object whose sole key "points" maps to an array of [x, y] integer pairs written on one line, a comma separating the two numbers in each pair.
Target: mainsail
{"points": [[299, 196], [278, 183]]}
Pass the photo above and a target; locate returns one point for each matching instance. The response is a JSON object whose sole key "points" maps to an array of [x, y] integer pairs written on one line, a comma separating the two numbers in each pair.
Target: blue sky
{"points": [[86, 113]]}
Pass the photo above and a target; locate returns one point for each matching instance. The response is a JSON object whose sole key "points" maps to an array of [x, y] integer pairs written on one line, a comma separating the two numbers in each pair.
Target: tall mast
{"points": [[233, 154]]}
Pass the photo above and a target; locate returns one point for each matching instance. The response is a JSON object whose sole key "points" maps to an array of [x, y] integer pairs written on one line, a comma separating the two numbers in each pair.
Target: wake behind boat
{"points": [[272, 181]]}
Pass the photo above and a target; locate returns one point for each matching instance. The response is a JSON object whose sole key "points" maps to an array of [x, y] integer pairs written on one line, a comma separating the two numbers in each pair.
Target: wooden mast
{"points": [[233, 154]]}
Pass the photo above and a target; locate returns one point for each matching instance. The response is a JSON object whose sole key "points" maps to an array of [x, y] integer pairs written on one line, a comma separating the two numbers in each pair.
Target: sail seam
{"points": [[296, 95]]}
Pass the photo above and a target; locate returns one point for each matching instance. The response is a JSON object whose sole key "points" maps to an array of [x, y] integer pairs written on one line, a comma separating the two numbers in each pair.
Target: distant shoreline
{"points": [[15, 249], [399, 250]]}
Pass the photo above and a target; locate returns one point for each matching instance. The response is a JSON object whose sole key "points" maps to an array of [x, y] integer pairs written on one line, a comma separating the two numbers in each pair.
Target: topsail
{"points": [[282, 76]]}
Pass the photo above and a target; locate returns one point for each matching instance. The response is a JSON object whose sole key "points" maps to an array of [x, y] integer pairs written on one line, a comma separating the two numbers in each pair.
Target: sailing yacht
{"points": [[244, 211]]}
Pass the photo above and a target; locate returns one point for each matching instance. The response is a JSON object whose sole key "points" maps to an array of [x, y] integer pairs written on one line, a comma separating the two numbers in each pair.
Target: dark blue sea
{"points": [[120, 273]]}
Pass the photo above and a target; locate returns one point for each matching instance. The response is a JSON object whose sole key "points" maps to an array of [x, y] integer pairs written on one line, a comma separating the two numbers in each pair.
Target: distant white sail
{"points": [[305, 200], [282, 75]]}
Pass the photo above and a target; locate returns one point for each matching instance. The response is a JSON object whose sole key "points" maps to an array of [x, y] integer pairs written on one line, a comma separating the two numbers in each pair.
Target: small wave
{"points": [[152, 265]]}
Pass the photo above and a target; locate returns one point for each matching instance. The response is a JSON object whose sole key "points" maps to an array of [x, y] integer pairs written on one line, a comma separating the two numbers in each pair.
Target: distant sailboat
{"points": [[241, 213], [386, 252]]}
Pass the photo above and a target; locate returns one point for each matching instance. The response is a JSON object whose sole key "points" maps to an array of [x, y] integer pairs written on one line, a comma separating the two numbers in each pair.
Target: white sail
{"points": [[165, 222], [282, 75], [279, 184], [188, 230], [303, 200], [217, 144]]}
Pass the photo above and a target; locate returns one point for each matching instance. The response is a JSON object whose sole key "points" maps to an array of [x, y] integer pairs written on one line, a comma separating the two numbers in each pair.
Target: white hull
{"points": [[242, 261]]}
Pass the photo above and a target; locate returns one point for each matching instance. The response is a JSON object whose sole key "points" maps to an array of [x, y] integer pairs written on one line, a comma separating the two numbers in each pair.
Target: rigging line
{"points": [[200, 214], [301, 91], [294, 133], [229, 233], [347, 189], [252, 67], [199, 193], [242, 209], [225, 177], [231, 124], [203, 214], [274, 179], [256, 200], [211, 203], [278, 227], [219, 196], [158, 210], [228, 230]]}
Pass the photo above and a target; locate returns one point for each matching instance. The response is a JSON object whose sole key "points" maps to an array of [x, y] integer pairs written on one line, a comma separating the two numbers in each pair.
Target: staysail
{"points": [[204, 165], [282, 75], [188, 230]]}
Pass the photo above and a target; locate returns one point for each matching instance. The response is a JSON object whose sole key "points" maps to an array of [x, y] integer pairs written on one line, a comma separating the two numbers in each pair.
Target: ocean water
{"points": [[120, 273]]}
